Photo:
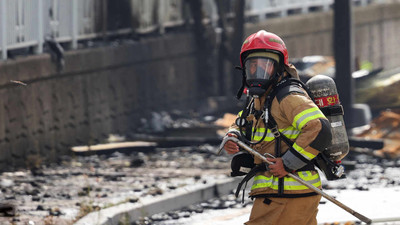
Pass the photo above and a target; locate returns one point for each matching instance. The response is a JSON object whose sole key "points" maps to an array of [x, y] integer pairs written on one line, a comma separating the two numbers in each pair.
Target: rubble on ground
{"points": [[81, 184], [59, 194], [386, 127]]}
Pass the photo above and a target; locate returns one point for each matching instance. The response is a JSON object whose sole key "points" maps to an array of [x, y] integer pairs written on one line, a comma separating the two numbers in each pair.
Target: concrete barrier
{"points": [[129, 212]]}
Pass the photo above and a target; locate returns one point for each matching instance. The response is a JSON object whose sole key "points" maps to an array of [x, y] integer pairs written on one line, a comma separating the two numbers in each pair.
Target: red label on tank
{"points": [[327, 101]]}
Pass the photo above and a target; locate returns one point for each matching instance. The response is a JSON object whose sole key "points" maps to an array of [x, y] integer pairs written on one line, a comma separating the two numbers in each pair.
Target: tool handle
{"points": [[245, 147]]}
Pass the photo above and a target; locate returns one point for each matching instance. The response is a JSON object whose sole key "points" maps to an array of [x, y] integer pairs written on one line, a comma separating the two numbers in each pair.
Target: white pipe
{"points": [[39, 49], [3, 24], [74, 15]]}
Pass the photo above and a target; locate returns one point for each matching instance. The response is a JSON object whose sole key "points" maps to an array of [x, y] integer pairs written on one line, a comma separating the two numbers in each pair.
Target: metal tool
{"points": [[298, 179]]}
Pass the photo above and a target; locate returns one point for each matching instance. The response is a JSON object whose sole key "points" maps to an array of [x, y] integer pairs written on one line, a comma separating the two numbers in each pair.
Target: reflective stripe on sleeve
{"points": [[303, 152], [309, 114]]}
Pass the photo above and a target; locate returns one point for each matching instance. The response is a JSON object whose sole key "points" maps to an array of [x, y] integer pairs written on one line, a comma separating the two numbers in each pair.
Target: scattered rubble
{"points": [[386, 127], [363, 172], [86, 183], [60, 194]]}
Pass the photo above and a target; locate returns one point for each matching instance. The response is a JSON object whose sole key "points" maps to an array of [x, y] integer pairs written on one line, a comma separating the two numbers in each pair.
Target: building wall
{"points": [[376, 32], [99, 92]]}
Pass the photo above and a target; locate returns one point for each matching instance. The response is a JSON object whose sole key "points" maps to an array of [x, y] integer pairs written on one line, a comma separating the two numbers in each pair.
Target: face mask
{"points": [[259, 71], [258, 87]]}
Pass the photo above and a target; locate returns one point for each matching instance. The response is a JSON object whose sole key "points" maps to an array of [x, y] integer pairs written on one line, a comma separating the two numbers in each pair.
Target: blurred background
{"points": [[89, 72]]}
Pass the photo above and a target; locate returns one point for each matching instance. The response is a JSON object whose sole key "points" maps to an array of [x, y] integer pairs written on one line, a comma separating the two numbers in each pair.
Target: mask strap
{"points": [[241, 89]]}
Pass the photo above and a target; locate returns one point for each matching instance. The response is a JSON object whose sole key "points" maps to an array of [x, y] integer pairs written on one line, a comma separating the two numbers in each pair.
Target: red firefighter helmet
{"points": [[264, 41]]}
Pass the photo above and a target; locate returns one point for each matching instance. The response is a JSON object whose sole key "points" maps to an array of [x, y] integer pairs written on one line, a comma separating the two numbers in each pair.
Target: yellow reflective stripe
{"points": [[289, 132], [307, 175], [259, 133], [257, 138], [303, 152], [261, 181], [261, 129], [309, 114], [240, 113], [301, 187]]}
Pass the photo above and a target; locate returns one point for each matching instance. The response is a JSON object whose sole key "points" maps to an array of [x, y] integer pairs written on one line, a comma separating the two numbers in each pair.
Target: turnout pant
{"points": [[284, 211]]}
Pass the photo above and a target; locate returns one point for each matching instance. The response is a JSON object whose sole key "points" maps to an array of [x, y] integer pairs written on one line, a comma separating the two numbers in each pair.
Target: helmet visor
{"points": [[260, 68]]}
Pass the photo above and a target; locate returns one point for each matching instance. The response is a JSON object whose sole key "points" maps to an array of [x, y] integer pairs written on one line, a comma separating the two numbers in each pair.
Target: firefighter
{"points": [[278, 199]]}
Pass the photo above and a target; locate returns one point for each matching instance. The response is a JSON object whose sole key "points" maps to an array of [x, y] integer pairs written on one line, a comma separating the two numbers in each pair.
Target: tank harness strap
{"points": [[278, 153], [273, 126], [333, 110], [258, 168]]}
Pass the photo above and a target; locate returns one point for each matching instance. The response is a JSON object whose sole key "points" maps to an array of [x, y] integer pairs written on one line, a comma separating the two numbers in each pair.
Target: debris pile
{"points": [[386, 127]]}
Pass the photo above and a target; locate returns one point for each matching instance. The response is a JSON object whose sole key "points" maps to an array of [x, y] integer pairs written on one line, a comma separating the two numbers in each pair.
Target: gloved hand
{"points": [[230, 146], [277, 169]]}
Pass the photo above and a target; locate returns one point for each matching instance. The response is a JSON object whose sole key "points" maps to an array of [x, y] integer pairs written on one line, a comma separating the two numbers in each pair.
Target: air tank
{"points": [[323, 89]]}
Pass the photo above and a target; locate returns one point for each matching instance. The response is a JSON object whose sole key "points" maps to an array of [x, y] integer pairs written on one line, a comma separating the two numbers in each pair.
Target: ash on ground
{"points": [[363, 172], [62, 194]]}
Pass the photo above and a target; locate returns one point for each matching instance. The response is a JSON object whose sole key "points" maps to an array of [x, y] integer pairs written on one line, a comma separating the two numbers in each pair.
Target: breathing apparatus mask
{"points": [[261, 70]]}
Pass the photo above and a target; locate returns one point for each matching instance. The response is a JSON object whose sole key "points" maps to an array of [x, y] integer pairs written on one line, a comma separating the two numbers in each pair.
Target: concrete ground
{"points": [[379, 204]]}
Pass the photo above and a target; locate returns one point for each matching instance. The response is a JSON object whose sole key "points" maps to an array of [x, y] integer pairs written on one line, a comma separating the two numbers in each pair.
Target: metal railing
{"points": [[262, 9], [27, 23], [18, 24]]}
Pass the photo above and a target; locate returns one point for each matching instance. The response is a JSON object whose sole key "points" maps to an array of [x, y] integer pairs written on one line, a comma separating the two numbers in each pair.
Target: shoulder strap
{"points": [[283, 89], [290, 85]]}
